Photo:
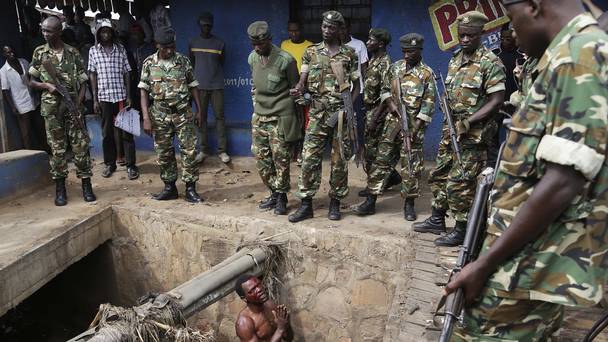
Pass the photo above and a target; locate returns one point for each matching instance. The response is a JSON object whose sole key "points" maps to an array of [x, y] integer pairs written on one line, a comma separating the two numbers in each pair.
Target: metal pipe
{"points": [[210, 286]]}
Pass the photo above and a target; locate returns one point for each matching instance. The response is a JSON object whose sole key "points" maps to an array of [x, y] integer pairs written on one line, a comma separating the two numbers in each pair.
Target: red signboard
{"points": [[444, 13]]}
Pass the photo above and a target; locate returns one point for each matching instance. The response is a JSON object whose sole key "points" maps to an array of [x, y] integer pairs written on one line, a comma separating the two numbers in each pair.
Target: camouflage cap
{"points": [[333, 17], [258, 30], [380, 34], [164, 35], [472, 19], [411, 40]]}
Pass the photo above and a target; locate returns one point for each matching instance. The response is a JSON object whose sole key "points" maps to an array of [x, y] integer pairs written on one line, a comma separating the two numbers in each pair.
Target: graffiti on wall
{"points": [[443, 14]]}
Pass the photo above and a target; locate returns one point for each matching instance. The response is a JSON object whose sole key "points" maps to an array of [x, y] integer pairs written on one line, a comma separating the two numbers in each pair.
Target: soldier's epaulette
{"points": [[456, 51]]}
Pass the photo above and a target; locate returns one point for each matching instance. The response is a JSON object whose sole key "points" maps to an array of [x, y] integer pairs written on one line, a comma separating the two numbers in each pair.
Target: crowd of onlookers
{"points": [[134, 32]]}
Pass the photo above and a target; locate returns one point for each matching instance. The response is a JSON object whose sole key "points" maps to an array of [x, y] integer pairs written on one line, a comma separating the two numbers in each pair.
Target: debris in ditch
{"points": [[158, 318]]}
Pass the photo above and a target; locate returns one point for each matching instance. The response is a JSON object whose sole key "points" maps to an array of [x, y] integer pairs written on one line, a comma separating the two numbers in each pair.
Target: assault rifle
{"points": [[73, 110], [473, 239], [351, 120], [444, 103], [405, 125]]}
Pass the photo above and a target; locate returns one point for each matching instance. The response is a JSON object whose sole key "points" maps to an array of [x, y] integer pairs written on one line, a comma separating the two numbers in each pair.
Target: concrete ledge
{"points": [[22, 172], [43, 262]]}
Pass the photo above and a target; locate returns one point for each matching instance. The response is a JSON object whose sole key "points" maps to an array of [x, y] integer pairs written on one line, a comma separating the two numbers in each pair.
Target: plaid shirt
{"points": [[110, 69]]}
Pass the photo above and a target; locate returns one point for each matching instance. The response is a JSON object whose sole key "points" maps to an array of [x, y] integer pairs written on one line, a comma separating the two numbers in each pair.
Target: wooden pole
{"points": [[3, 129]]}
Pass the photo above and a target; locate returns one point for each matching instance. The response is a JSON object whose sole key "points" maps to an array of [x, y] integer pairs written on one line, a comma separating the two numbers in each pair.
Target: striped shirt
{"points": [[110, 69], [208, 62]]}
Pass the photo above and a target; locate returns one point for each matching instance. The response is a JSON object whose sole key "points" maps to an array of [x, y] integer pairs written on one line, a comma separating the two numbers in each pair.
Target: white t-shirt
{"points": [[18, 87], [361, 51]]}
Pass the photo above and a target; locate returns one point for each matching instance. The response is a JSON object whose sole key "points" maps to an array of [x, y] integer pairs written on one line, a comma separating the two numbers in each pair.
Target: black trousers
{"points": [[108, 132]]}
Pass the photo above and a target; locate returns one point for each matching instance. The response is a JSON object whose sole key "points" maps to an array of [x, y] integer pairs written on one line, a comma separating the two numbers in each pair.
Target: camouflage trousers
{"points": [[370, 140], [315, 139], [168, 122], [272, 153], [504, 319], [390, 148], [462, 181], [438, 177], [61, 129]]}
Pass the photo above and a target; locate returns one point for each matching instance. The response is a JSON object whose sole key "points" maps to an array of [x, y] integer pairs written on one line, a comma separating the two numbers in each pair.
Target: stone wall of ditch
{"points": [[339, 286]]}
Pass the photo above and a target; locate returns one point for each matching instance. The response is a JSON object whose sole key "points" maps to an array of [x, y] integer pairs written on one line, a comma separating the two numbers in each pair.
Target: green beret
{"points": [[411, 40], [164, 35], [380, 34], [258, 30], [473, 19], [333, 17]]}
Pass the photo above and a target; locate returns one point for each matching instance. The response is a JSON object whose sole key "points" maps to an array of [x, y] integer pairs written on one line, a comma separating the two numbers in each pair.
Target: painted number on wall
{"points": [[444, 13]]}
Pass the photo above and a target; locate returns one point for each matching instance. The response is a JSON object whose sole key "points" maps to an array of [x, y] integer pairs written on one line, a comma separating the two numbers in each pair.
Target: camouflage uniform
{"points": [[563, 120], [323, 87], [275, 118], [169, 83], [60, 126], [375, 74], [469, 82], [418, 95]]}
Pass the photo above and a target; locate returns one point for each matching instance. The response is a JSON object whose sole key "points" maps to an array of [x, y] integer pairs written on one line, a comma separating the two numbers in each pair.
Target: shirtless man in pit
{"points": [[261, 320]]}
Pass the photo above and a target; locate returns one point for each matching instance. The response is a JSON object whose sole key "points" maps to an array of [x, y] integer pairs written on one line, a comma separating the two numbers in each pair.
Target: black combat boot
{"points": [[455, 237], [334, 210], [304, 211], [61, 196], [368, 207], [364, 193], [169, 192], [269, 202], [191, 195], [281, 207], [87, 190], [394, 178], [409, 212], [434, 224]]}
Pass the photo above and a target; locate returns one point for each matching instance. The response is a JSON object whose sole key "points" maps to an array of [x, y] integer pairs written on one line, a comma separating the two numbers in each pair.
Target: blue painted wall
{"points": [[231, 20]]}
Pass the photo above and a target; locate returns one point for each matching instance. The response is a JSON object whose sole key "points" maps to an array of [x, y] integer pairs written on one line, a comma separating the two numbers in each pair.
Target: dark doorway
{"points": [[308, 13]]}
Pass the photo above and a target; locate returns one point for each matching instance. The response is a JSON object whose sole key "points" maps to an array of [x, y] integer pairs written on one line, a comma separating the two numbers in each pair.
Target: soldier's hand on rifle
{"points": [[50, 87], [471, 279], [462, 127], [148, 126], [392, 107]]}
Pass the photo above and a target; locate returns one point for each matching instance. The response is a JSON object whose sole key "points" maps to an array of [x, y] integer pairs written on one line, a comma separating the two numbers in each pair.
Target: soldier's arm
{"points": [[34, 76], [494, 87], [427, 107], [355, 75], [144, 89], [551, 196], [193, 86], [386, 96], [572, 152], [300, 87], [292, 73]]}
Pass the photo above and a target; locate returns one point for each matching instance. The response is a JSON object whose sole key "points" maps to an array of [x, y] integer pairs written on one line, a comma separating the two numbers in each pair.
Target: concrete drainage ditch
{"points": [[339, 285]]}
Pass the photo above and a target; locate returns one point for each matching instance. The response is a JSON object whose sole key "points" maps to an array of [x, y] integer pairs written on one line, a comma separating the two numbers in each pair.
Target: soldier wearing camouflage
{"points": [[274, 122], [559, 132], [376, 72], [475, 85], [169, 81], [417, 89], [62, 127], [322, 84]]}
